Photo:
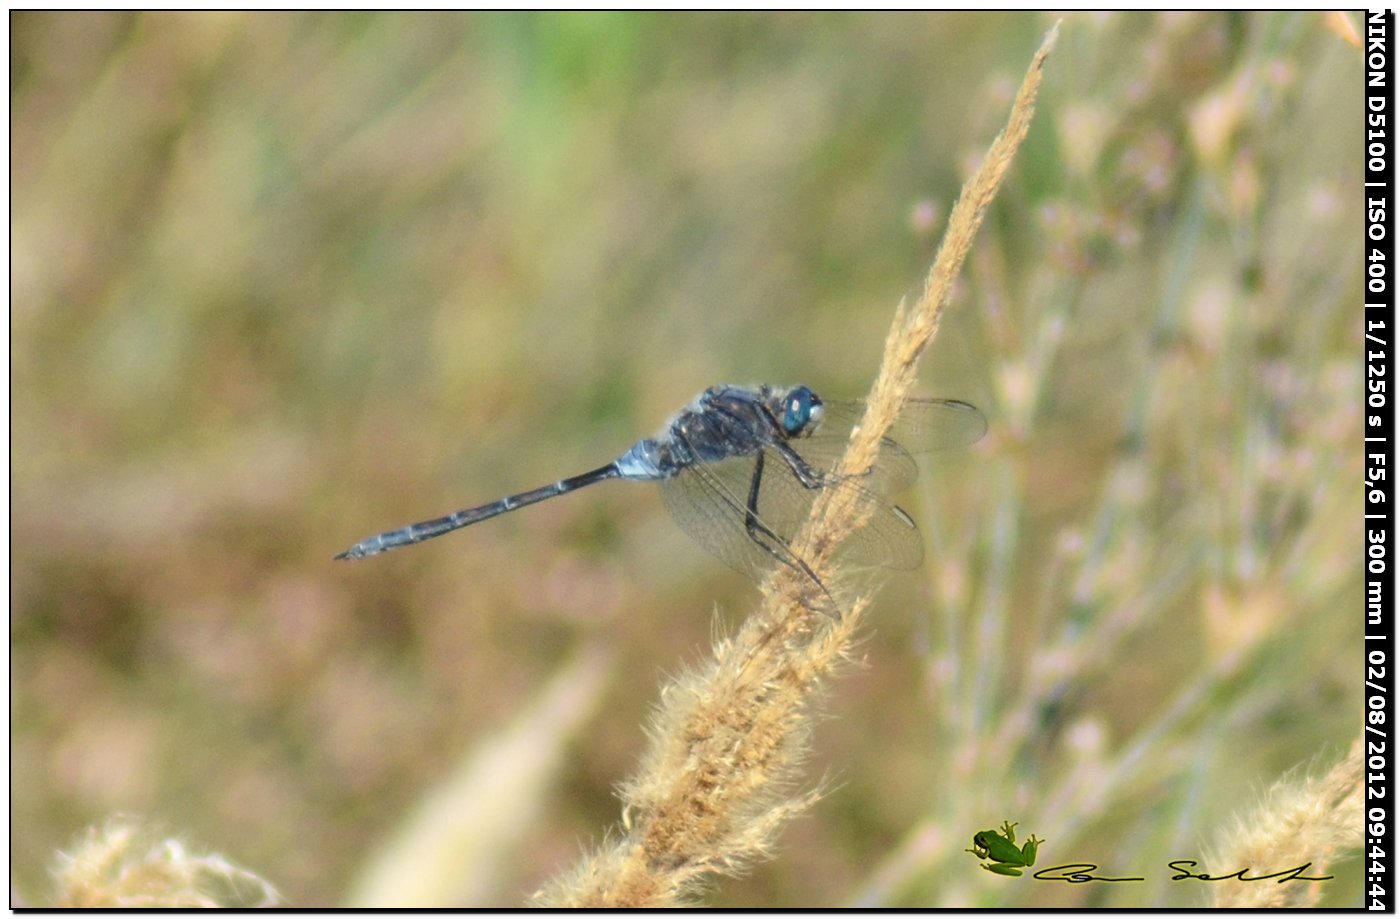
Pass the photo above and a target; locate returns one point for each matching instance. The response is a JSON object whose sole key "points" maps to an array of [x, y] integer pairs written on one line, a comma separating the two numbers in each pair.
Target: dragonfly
{"points": [[740, 467]]}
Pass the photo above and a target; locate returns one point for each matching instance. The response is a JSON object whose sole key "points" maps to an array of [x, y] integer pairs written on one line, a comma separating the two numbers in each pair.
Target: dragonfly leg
{"points": [[808, 476], [760, 533]]}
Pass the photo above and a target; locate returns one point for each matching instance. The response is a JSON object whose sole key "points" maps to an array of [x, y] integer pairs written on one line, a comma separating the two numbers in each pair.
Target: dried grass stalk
{"points": [[123, 865], [1308, 821], [720, 776]]}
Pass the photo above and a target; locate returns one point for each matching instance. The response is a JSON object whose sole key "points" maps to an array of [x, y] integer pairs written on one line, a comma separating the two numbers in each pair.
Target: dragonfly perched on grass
{"points": [[739, 469]]}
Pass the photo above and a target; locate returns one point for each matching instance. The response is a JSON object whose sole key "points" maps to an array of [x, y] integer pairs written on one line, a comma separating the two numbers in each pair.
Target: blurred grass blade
{"points": [[451, 848]]}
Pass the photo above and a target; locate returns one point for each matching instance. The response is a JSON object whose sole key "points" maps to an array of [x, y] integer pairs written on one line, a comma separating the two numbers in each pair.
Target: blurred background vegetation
{"points": [[282, 281]]}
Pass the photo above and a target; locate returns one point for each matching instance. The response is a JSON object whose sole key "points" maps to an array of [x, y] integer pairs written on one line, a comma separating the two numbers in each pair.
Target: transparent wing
{"points": [[709, 501], [894, 468], [924, 425]]}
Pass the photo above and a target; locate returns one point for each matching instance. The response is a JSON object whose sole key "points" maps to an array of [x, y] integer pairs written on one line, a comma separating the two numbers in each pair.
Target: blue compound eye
{"points": [[803, 409]]}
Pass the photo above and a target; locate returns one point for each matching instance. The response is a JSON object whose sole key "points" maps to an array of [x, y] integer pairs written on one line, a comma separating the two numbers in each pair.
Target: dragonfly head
{"points": [[801, 412]]}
